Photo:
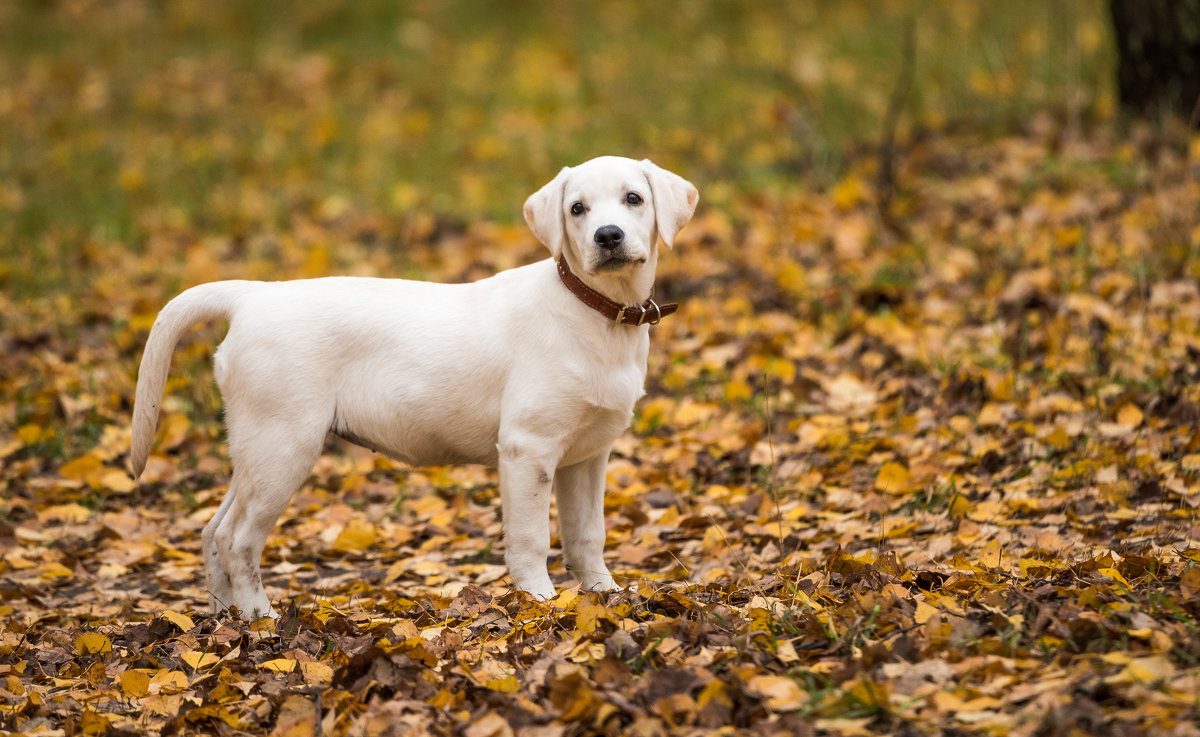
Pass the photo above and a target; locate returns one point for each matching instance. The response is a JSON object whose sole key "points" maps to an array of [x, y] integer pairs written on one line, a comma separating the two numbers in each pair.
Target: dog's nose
{"points": [[609, 236]]}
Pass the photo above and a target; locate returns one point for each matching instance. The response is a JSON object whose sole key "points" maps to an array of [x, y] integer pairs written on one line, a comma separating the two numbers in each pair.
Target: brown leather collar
{"points": [[648, 312]]}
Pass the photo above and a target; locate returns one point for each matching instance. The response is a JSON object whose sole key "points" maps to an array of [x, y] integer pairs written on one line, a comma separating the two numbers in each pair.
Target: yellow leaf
{"points": [[134, 683], [1190, 463], [91, 643], [792, 278], [924, 612], [870, 693], [653, 414], [1189, 582], [848, 192], [714, 691], [1031, 566], [893, 478], [1129, 416], [358, 536], [1114, 574], [959, 507], [736, 389], [506, 684], [1003, 390], [588, 616], [786, 652], [114, 479], [131, 178], [174, 430], [279, 665], [297, 717], [71, 513], [55, 572], [317, 673], [197, 659], [1146, 670], [216, 711], [1058, 439], [168, 681], [405, 195], [782, 369], [992, 415], [317, 262], [781, 694], [394, 571], [31, 433], [9, 447], [565, 599], [182, 621], [1068, 235], [353, 481], [13, 685], [80, 468], [94, 724]]}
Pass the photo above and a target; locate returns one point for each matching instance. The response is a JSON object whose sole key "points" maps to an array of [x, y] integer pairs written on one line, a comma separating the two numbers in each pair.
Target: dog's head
{"points": [[608, 213]]}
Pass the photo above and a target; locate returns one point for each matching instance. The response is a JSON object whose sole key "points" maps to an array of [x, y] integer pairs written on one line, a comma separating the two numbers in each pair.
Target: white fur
{"points": [[511, 371]]}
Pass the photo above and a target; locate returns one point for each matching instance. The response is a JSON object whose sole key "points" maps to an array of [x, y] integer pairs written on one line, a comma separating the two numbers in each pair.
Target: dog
{"points": [[534, 371]]}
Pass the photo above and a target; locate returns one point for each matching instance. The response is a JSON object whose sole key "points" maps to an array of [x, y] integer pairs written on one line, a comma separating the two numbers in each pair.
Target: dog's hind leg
{"points": [[220, 591], [268, 467]]}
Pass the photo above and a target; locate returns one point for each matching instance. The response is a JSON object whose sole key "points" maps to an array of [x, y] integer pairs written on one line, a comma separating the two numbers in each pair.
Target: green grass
{"points": [[212, 118]]}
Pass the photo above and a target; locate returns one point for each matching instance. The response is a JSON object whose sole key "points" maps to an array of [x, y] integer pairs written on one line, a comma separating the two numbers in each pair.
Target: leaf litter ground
{"points": [[935, 478]]}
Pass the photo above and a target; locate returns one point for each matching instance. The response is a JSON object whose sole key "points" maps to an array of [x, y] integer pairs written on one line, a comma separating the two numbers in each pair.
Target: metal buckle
{"points": [[658, 313], [642, 314]]}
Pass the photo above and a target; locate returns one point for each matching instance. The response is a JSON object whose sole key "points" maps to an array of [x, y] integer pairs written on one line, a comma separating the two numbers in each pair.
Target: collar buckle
{"points": [[610, 309]]}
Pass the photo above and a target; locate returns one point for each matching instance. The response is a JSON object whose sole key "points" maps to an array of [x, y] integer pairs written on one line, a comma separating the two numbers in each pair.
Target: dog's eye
{"points": [[577, 208], [633, 198]]}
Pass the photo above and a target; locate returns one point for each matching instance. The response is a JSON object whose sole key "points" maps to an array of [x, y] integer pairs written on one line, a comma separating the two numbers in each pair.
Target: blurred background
{"points": [[128, 119], [860, 163]]}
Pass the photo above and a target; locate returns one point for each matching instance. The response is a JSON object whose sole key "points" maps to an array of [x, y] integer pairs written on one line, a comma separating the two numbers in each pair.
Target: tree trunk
{"points": [[1158, 56]]}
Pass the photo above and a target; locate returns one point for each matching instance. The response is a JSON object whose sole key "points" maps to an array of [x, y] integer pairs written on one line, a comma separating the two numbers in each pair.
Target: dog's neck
{"points": [[639, 312]]}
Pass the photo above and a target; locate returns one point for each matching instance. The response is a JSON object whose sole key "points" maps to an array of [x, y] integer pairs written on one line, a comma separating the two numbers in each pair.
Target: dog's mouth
{"points": [[616, 263]]}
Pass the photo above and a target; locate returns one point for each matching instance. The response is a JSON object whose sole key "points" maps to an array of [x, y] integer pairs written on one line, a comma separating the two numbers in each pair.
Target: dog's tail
{"points": [[198, 304]]}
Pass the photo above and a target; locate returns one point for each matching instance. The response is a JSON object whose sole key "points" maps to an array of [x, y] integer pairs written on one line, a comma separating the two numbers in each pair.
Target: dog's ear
{"points": [[674, 200], [544, 213]]}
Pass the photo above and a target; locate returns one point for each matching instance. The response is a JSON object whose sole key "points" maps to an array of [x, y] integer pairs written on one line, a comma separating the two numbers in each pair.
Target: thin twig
{"points": [[885, 183]]}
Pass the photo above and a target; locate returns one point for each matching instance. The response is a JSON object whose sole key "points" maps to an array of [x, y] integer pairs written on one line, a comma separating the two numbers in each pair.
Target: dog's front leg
{"points": [[525, 482], [580, 492]]}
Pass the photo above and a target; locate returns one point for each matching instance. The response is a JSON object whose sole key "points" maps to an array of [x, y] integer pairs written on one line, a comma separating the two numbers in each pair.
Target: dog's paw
{"points": [[594, 578], [605, 584], [540, 590], [544, 594]]}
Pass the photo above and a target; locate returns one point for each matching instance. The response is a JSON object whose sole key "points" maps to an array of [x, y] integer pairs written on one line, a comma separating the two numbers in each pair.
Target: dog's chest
{"points": [[614, 385], [604, 407], [597, 430]]}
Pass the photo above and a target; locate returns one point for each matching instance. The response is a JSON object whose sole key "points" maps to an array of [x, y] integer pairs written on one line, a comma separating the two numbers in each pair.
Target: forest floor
{"points": [[935, 480]]}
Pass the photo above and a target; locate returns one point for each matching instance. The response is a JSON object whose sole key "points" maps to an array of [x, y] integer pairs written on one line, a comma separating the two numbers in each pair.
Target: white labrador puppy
{"points": [[534, 370]]}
